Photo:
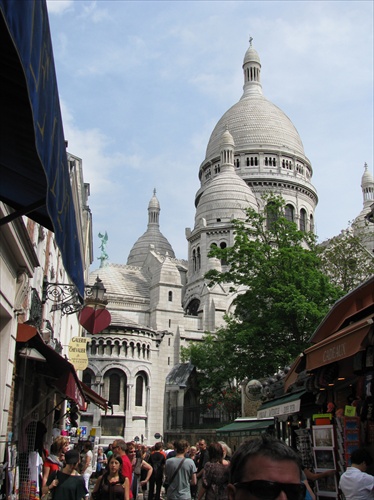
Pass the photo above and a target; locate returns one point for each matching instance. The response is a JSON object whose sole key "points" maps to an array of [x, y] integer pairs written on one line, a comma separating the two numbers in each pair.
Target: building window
{"points": [[223, 245], [87, 378], [139, 391], [194, 260], [169, 323], [198, 258], [271, 215], [170, 296], [114, 388], [311, 223], [302, 220], [289, 213]]}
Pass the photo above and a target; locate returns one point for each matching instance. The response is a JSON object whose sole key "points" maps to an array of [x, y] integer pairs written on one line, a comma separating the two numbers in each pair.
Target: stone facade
{"points": [[159, 303]]}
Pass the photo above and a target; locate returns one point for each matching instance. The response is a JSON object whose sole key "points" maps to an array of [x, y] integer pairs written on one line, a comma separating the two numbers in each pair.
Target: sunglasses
{"points": [[269, 490]]}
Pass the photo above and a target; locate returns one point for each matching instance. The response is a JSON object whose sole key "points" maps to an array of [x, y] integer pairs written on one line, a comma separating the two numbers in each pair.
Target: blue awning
{"points": [[34, 171]]}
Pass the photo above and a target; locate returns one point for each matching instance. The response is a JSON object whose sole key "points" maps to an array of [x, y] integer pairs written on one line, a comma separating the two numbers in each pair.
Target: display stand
{"points": [[324, 453]]}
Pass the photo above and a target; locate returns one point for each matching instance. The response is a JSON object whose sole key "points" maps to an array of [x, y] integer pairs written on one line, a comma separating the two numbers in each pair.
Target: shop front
{"points": [[338, 372]]}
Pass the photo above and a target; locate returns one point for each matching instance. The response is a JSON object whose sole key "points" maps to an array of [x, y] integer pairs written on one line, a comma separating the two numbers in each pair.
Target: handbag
{"points": [[168, 483], [47, 496]]}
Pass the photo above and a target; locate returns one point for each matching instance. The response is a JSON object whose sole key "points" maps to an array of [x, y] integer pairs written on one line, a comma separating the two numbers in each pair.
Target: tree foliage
{"points": [[286, 296], [345, 259]]}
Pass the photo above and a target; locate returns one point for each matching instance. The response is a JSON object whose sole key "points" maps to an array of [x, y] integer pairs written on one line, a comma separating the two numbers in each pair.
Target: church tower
{"points": [[152, 238], [253, 150]]}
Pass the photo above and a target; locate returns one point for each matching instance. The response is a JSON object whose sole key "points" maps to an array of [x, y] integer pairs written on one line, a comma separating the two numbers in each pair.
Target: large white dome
{"points": [[254, 122]]}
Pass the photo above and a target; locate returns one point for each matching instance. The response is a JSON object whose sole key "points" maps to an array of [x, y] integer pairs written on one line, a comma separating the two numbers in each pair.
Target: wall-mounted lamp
{"points": [[67, 299]]}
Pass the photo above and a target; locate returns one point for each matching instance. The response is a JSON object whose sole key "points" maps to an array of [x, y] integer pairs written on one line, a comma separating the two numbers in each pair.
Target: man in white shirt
{"points": [[355, 483]]}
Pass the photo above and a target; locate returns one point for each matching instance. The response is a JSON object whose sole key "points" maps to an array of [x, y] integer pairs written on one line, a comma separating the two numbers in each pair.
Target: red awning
{"points": [[66, 378], [93, 397]]}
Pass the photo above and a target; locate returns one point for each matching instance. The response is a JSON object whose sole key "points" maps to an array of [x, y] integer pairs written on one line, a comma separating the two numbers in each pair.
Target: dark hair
{"points": [[361, 455], [215, 452], [107, 470], [265, 446], [72, 457], [158, 446], [181, 446]]}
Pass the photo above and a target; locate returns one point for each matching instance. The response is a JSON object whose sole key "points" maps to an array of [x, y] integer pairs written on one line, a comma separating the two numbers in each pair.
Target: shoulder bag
{"points": [[168, 483]]}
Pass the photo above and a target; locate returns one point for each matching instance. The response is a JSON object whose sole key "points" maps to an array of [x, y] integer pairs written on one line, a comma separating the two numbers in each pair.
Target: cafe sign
{"points": [[78, 352]]}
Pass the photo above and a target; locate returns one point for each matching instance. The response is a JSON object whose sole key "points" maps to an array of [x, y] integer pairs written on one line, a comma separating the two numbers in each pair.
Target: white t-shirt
{"points": [[356, 485], [88, 456]]}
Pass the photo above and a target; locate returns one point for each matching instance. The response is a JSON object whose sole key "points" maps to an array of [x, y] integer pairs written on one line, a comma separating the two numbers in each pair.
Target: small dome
{"points": [[154, 203], [227, 139], [225, 198], [367, 179], [251, 56], [152, 239]]}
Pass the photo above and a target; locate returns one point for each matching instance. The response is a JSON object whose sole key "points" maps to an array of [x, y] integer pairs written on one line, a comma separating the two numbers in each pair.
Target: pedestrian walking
{"points": [[180, 473]]}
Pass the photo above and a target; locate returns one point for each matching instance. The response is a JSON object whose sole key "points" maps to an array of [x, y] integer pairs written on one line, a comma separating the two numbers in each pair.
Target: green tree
{"points": [[346, 260], [287, 295]]}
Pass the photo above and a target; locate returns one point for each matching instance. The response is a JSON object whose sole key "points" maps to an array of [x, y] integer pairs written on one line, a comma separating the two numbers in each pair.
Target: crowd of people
{"points": [[264, 468]]}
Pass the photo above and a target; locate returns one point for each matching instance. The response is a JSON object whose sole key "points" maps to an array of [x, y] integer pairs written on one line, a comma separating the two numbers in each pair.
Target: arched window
{"points": [[194, 260], [198, 258], [87, 377], [114, 388], [289, 213], [139, 391], [266, 161], [271, 215], [247, 161], [170, 296], [223, 245], [311, 223], [302, 220], [193, 307]]}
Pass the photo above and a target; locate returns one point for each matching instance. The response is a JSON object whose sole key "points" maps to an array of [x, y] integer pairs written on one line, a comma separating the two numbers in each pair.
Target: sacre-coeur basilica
{"points": [[158, 302]]}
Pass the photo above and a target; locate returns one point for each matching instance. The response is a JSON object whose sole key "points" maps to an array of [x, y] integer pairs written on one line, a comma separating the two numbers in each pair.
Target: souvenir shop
{"points": [[336, 377]]}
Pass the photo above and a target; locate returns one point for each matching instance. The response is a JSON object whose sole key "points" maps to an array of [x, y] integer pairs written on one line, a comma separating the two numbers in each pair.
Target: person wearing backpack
{"points": [[157, 460]]}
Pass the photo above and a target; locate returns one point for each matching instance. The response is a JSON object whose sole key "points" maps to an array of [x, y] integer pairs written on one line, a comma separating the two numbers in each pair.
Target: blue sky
{"points": [[143, 83]]}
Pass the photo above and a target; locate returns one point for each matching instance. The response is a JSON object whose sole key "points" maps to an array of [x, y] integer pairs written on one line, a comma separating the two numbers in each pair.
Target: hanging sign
{"points": [[78, 352], [94, 320]]}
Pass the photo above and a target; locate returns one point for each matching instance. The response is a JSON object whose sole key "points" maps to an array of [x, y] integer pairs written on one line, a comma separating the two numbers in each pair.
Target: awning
{"points": [[341, 345], [93, 397], [34, 171], [285, 405], [245, 428], [66, 379], [293, 373]]}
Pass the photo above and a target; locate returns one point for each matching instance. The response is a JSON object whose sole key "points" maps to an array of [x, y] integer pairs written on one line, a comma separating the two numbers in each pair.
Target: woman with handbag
{"points": [[67, 484], [112, 484]]}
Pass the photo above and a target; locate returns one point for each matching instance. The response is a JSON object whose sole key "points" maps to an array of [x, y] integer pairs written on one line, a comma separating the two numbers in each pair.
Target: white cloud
{"points": [[59, 6]]}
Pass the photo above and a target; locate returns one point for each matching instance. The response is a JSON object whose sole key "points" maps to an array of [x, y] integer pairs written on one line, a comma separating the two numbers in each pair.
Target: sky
{"points": [[142, 85]]}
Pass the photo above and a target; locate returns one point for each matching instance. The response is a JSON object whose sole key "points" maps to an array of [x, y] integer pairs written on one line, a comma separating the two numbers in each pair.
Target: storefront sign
{"points": [[282, 409], [333, 353], [78, 352]]}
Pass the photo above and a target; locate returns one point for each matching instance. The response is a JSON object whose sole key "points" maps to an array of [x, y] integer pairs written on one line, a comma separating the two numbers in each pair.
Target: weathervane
{"points": [[250, 40]]}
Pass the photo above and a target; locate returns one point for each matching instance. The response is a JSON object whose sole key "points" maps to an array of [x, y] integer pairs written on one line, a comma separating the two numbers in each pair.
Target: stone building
{"points": [[158, 302]]}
